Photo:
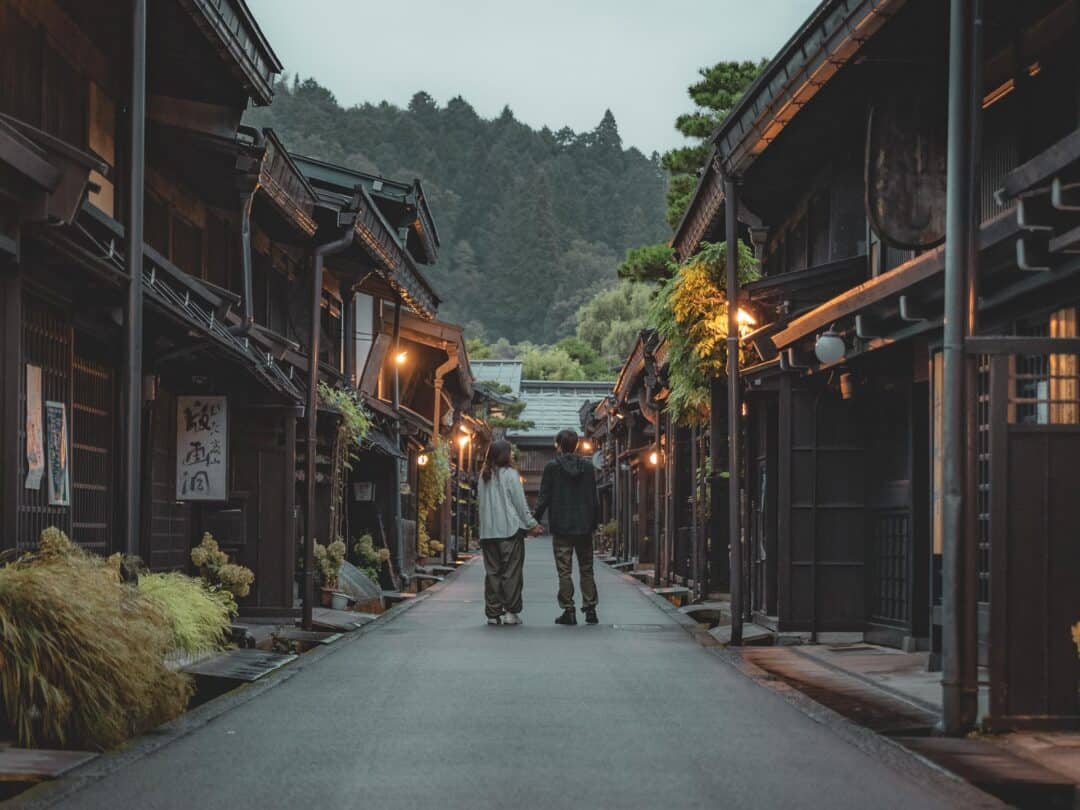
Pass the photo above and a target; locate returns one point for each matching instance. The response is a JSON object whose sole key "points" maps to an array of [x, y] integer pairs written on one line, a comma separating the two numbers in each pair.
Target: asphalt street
{"points": [[433, 708]]}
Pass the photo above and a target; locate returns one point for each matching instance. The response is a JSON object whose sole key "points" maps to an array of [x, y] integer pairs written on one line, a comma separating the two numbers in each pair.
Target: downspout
{"points": [[450, 364], [133, 249], [244, 327], [399, 541], [731, 208], [311, 444]]}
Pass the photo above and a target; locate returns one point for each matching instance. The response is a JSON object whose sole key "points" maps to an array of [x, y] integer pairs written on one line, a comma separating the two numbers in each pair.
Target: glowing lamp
{"points": [[829, 347], [744, 318], [422, 459], [462, 441], [401, 357], [586, 446], [654, 458]]}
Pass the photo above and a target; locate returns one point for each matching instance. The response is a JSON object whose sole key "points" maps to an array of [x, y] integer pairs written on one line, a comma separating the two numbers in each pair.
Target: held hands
{"points": [[536, 530]]}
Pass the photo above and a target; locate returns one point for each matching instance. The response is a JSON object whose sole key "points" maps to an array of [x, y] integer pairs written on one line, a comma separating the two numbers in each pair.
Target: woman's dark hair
{"points": [[566, 441], [499, 454]]}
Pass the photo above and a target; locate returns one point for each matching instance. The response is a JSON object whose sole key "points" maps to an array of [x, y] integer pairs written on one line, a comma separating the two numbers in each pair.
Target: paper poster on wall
{"points": [[202, 442], [57, 450], [35, 434]]}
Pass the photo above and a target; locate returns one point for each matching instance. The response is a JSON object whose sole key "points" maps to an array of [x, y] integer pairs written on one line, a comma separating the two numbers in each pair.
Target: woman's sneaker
{"points": [[512, 618], [496, 620]]}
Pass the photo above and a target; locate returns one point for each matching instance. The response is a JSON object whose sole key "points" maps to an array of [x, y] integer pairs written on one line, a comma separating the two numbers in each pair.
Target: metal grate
{"points": [[46, 342], [93, 399], [893, 539]]}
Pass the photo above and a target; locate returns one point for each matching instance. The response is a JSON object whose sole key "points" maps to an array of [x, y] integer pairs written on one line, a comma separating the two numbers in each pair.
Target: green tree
{"points": [[648, 263], [548, 363], [610, 322], [714, 96], [530, 220]]}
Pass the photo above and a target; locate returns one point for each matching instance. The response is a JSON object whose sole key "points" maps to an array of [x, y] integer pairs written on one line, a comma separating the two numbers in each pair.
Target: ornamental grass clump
{"points": [[82, 652], [200, 617]]}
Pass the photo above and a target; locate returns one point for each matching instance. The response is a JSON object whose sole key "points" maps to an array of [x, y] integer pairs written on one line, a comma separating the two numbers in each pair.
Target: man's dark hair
{"points": [[566, 441]]}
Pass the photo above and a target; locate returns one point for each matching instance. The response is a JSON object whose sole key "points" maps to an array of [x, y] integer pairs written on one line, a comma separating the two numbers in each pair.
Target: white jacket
{"points": [[503, 511]]}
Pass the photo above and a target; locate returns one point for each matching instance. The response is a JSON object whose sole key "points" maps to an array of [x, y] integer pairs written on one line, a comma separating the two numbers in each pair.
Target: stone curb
{"points": [[48, 794], [909, 763]]}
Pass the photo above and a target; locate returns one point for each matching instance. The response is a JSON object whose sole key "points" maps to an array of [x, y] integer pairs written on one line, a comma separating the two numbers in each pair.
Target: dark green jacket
{"points": [[568, 495]]}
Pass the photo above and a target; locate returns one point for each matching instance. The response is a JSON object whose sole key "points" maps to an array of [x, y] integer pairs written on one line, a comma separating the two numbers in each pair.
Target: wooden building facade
{"points": [[232, 225], [838, 155]]}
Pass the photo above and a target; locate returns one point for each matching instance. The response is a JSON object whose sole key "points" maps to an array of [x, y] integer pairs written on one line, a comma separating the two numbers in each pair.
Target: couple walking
{"points": [[568, 494]]}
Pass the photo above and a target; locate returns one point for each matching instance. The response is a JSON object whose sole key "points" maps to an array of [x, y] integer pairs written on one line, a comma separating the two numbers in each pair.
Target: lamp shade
{"points": [[830, 348]]}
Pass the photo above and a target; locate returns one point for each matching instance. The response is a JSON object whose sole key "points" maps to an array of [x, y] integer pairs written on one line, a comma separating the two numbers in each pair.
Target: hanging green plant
{"points": [[690, 313], [353, 427], [432, 492]]}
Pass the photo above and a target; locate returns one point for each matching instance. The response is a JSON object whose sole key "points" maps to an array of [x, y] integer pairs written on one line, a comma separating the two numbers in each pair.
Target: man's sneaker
{"points": [[568, 617], [496, 620], [590, 616], [512, 618]]}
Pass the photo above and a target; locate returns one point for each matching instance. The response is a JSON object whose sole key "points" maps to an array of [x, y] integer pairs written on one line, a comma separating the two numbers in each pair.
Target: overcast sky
{"points": [[555, 62]]}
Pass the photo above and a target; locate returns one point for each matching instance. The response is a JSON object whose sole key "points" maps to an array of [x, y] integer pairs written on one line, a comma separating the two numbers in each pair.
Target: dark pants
{"points": [[565, 548], [503, 562]]}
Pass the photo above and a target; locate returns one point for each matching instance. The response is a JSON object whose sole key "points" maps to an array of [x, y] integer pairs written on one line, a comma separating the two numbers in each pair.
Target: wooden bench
{"points": [[28, 766]]}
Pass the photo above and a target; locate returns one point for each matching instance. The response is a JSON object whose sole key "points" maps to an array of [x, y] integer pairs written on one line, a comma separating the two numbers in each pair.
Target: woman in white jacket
{"points": [[504, 521]]}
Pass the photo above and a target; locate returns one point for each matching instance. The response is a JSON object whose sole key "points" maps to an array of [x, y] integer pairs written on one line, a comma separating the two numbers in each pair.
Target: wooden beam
{"points": [[994, 344], [922, 267], [1043, 166]]}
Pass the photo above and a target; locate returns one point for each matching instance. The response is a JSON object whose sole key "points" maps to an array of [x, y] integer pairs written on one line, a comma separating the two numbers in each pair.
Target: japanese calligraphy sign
{"points": [[57, 438], [202, 442]]}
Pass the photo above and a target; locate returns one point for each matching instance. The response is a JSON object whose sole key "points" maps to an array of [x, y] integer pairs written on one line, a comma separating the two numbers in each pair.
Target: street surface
{"points": [[436, 709]]}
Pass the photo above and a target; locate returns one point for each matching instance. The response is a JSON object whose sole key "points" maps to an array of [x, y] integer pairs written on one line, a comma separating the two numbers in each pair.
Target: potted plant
{"points": [[328, 560], [220, 575]]}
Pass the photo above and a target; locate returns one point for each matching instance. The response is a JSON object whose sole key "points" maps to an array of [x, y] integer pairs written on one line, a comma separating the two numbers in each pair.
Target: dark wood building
{"points": [[838, 155], [222, 325]]}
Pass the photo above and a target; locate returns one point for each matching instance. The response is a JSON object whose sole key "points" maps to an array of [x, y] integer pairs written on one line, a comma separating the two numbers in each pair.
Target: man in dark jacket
{"points": [[568, 494]]}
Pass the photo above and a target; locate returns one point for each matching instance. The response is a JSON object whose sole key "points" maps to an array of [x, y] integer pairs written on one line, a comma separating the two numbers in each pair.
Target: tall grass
{"points": [[200, 619], [81, 652]]}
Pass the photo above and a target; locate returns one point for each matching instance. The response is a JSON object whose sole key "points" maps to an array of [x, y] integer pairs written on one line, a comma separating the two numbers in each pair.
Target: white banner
{"points": [[202, 442]]}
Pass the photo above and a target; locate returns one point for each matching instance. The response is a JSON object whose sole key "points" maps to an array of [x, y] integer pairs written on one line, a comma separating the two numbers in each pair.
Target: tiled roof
{"points": [[506, 372], [554, 406]]}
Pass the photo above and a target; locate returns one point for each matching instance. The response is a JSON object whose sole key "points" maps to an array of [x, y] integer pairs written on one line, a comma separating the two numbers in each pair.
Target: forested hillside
{"points": [[532, 222]]}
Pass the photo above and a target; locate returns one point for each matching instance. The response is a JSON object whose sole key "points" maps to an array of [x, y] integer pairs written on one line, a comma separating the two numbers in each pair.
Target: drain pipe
{"points": [[244, 327], [312, 413], [450, 364]]}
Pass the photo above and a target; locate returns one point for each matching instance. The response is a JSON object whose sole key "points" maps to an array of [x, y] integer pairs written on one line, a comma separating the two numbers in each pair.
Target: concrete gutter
{"points": [[48, 794]]}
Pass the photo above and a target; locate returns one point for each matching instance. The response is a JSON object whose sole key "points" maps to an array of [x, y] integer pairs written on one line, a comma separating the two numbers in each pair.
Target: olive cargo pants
{"points": [[565, 547], [503, 563]]}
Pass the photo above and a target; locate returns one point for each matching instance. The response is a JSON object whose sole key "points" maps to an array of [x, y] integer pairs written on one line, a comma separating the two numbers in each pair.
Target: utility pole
{"points": [[399, 541], [133, 250], [731, 208], [960, 629]]}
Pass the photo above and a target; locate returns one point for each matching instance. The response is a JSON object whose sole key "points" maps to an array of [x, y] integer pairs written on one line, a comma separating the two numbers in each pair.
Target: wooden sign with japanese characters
{"points": [[202, 441]]}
